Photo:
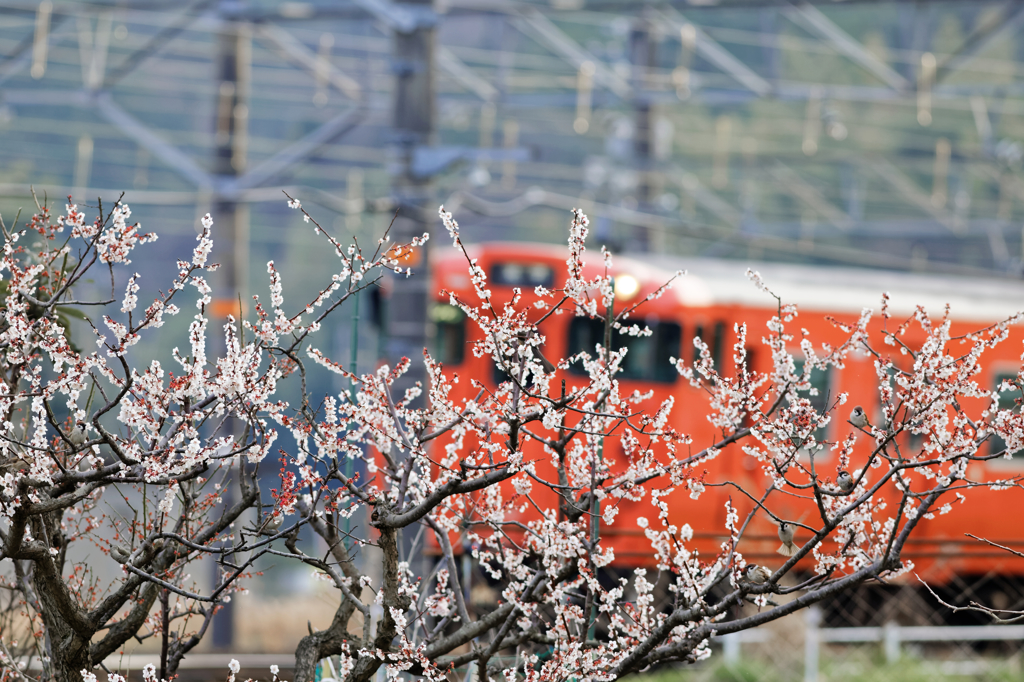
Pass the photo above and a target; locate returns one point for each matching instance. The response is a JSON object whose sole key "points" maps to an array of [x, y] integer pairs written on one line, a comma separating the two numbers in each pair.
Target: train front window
{"points": [[1007, 399], [648, 358], [449, 334], [523, 275]]}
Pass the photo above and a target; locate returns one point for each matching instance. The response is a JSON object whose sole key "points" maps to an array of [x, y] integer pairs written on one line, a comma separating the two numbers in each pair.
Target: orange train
{"points": [[708, 302]]}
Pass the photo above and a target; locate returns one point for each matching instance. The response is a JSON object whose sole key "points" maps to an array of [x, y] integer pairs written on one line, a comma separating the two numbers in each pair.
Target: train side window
{"points": [[698, 331], [717, 345], [1006, 399], [498, 375], [914, 440], [714, 340], [449, 334], [752, 364], [648, 357], [819, 393], [667, 339]]}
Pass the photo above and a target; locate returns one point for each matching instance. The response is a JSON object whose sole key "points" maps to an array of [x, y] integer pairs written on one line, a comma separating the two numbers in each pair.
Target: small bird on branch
{"points": [[757, 575], [77, 435], [15, 464], [859, 418], [845, 481], [786, 535], [120, 554]]}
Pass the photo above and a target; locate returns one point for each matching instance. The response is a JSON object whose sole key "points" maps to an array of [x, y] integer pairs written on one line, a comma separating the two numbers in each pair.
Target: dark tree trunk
{"points": [[317, 646], [69, 650], [68, 628], [312, 649]]}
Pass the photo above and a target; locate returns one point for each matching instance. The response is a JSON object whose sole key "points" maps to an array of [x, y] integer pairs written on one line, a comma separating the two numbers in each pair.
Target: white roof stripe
{"points": [[834, 289]]}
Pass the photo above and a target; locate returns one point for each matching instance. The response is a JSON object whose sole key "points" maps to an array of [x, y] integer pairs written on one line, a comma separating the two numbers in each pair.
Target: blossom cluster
{"points": [[80, 424], [525, 478]]}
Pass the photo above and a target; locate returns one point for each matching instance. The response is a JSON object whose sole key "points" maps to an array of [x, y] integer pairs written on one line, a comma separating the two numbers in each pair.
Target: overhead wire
{"points": [[184, 48]]}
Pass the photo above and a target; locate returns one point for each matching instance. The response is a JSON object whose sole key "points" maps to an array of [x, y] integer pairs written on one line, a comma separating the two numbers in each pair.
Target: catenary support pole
{"points": [[230, 219], [413, 121], [643, 53]]}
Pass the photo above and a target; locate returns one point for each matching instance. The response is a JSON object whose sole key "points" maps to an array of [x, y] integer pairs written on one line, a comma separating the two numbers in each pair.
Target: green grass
{"points": [[856, 667]]}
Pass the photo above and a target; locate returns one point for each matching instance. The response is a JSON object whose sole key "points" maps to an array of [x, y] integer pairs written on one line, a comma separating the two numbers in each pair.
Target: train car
{"points": [[708, 302]]}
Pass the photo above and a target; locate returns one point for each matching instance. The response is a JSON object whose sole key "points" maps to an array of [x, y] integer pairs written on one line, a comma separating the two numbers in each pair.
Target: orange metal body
{"points": [[940, 547]]}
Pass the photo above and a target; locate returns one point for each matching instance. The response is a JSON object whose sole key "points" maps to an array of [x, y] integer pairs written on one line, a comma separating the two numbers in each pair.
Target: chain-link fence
{"points": [[892, 631]]}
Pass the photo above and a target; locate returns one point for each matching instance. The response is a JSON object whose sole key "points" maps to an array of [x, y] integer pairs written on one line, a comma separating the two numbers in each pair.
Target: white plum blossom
{"points": [[532, 480]]}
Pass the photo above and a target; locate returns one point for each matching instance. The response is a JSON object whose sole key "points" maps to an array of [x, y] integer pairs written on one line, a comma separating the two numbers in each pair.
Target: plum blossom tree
{"points": [[168, 436], [433, 467]]}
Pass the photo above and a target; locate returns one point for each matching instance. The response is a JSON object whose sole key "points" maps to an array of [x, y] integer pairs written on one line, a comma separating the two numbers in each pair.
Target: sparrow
{"points": [[270, 525], [786, 535], [845, 481], [77, 435], [859, 418], [758, 575], [120, 554], [15, 464]]}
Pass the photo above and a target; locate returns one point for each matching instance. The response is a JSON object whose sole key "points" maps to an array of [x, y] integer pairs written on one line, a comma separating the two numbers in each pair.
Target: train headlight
{"points": [[626, 287]]}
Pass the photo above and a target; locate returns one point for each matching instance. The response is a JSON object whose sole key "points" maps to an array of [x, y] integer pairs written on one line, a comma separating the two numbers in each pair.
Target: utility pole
{"points": [[643, 55], [413, 122], [230, 220]]}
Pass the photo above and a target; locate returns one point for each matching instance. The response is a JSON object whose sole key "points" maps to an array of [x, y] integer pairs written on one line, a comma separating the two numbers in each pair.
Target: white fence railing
{"points": [[891, 635]]}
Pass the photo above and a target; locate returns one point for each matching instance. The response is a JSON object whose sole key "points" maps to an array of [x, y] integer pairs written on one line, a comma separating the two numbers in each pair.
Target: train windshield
{"points": [[523, 275], [648, 357]]}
